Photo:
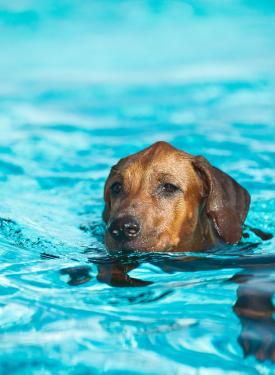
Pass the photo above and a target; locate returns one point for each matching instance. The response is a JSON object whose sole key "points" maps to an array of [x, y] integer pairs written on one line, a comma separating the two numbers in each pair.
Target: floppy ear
{"points": [[227, 202]]}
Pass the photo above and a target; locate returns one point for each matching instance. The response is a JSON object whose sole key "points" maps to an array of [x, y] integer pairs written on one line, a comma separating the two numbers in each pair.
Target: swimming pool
{"points": [[82, 86]]}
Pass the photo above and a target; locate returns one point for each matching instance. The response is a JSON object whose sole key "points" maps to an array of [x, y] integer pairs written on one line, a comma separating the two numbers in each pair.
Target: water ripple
{"points": [[65, 119]]}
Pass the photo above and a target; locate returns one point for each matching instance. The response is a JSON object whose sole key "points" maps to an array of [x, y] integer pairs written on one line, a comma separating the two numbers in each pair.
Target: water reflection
{"points": [[255, 310], [253, 306]]}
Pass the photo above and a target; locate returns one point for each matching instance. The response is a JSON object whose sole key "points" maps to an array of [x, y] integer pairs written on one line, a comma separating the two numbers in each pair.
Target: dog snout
{"points": [[124, 228]]}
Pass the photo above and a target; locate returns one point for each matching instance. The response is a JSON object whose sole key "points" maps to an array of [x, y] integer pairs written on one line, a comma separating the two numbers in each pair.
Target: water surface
{"points": [[82, 86]]}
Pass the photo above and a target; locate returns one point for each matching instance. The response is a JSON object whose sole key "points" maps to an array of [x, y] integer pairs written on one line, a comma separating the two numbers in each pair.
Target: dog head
{"points": [[164, 199]]}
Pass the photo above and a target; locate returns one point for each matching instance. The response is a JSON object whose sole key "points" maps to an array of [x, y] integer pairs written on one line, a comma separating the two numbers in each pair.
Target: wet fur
{"points": [[209, 210]]}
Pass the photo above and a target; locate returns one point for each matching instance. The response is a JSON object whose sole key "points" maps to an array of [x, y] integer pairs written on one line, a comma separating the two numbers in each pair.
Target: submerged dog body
{"points": [[164, 199]]}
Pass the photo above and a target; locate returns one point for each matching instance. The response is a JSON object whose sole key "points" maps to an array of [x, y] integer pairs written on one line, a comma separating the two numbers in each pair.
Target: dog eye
{"points": [[168, 188], [116, 188]]}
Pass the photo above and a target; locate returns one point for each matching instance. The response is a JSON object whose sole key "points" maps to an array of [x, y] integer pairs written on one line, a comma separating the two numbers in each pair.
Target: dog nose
{"points": [[124, 228]]}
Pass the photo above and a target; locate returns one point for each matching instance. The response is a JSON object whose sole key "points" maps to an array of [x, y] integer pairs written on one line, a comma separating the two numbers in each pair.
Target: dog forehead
{"points": [[161, 149], [160, 157], [157, 152]]}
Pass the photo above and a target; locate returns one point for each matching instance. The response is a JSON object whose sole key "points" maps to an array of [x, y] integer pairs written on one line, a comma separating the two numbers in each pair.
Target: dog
{"points": [[164, 199]]}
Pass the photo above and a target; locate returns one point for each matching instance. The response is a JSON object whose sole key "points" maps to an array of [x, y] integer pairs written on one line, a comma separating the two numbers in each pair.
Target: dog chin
{"points": [[136, 246]]}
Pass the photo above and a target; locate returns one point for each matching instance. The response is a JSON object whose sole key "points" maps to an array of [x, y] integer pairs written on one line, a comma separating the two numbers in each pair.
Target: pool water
{"points": [[83, 85]]}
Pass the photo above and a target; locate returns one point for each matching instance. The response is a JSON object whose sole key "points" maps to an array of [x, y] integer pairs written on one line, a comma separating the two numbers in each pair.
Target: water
{"points": [[81, 86]]}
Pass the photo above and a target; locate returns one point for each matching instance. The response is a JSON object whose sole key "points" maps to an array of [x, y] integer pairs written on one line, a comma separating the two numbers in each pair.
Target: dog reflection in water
{"points": [[253, 306]]}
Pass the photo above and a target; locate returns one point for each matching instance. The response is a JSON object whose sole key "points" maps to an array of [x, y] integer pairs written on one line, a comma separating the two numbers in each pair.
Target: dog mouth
{"points": [[136, 245], [124, 244]]}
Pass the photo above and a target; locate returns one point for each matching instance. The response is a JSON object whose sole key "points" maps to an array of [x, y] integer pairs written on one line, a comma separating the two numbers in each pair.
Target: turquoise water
{"points": [[83, 84]]}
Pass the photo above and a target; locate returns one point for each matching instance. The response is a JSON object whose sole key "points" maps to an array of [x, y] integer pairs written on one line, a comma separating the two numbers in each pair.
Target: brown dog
{"points": [[164, 199]]}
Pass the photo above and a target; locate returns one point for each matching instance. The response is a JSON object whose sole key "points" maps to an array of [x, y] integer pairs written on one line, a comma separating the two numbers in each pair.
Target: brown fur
{"points": [[210, 207]]}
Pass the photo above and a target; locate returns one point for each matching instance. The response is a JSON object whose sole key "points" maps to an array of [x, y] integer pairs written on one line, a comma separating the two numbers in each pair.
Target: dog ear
{"points": [[227, 202]]}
